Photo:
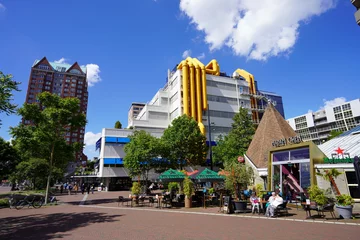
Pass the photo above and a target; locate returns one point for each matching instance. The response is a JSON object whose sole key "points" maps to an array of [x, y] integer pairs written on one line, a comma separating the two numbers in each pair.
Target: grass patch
{"points": [[4, 202]]}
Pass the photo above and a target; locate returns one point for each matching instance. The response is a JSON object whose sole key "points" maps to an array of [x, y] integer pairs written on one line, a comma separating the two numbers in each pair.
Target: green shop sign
{"points": [[338, 160]]}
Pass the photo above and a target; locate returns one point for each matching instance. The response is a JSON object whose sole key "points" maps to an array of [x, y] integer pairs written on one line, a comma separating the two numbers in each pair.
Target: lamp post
{"points": [[210, 143]]}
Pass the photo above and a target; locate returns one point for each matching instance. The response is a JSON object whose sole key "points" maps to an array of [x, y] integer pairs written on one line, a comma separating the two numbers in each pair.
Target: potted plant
{"points": [[318, 196], [211, 191], [344, 205], [238, 177], [136, 188], [188, 191]]}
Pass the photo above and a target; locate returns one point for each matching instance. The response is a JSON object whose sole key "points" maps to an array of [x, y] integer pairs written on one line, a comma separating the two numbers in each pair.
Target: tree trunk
{"points": [[49, 176]]}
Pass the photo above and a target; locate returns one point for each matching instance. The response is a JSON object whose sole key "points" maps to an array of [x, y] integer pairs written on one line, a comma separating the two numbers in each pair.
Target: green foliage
{"points": [[141, 152], [173, 186], [333, 134], [211, 190], [35, 170], [318, 195], [259, 188], [4, 202], [239, 176], [9, 158], [188, 187], [7, 86], [344, 200], [183, 143], [334, 173], [44, 138], [118, 125], [236, 143], [136, 188]]}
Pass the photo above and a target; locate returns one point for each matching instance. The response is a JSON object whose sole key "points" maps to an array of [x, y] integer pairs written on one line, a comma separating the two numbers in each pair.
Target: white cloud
{"points": [[201, 56], [91, 138], [2, 7], [186, 53], [61, 60], [334, 102], [254, 29], [93, 74]]}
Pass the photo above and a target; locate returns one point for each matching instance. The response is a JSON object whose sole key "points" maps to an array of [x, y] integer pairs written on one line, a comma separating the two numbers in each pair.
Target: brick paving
{"points": [[100, 218]]}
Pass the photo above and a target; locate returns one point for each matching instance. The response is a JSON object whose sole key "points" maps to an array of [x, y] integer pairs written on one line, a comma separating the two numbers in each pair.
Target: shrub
{"points": [[344, 200], [188, 187], [4, 202], [136, 188], [318, 195], [173, 186]]}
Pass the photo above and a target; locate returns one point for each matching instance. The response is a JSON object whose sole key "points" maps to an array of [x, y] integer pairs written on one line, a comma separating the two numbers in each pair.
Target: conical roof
{"points": [[272, 127]]}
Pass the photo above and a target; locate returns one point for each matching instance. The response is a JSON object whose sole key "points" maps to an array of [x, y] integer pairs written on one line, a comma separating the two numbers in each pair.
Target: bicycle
{"points": [[15, 199], [34, 201]]}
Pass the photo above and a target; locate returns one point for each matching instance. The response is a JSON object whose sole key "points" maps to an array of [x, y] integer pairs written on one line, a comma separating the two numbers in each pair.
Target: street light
{"points": [[210, 143]]}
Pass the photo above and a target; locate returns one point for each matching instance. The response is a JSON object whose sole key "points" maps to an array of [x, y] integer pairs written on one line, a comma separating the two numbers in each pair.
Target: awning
{"points": [[172, 175], [209, 176]]}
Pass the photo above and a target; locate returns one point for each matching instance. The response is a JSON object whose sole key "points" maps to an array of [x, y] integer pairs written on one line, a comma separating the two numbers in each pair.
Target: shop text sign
{"points": [[338, 160], [287, 141]]}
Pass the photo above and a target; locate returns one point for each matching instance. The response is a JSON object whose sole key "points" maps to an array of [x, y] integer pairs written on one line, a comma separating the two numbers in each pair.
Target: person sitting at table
{"points": [[274, 201], [254, 202]]}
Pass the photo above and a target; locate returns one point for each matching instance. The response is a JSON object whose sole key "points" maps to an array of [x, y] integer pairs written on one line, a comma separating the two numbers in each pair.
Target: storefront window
{"points": [[305, 175], [352, 184], [298, 154], [276, 177], [281, 156]]}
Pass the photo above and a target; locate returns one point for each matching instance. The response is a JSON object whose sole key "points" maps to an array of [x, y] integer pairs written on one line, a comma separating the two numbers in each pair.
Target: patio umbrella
{"points": [[172, 175], [209, 176], [357, 170]]}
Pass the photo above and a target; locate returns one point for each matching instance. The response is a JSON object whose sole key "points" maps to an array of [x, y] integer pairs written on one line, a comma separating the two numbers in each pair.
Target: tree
{"points": [[9, 158], [184, 143], [44, 137], [238, 176], [330, 176], [35, 170], [7, 86], [118, 125], [236, 143], [334, 134], [141, 153]]}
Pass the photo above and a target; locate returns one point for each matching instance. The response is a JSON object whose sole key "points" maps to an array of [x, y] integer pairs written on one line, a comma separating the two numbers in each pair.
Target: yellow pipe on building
{"points": [[185, 83], [192, 91], [198, 93], [213, 67]]}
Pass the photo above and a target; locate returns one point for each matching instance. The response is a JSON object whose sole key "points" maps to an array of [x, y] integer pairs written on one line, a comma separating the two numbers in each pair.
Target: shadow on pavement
{"points": [[49, 226]]}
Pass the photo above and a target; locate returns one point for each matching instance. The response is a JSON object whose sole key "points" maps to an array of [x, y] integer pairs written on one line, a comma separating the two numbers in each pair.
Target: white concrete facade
{"points": [[316, 126]]}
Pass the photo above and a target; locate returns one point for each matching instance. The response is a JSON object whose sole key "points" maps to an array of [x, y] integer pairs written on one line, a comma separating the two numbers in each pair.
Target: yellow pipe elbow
{"points": [[202, 128]]}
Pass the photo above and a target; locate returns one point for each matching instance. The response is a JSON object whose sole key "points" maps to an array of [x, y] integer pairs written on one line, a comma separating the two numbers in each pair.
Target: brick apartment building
{"points": [[62, 79]]}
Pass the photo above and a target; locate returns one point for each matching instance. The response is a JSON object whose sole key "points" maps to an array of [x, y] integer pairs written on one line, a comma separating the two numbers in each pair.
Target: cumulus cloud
{"points": [[186, 53], [91, 138], [254, 29], [61, 60], [93, 74], [334, 102], [2, 7], [201, 56]]}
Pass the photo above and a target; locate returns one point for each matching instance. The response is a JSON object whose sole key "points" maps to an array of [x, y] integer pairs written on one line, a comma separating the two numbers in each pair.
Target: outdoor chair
{"points": [[328, 208], [282, 208], [151, 201], [167, 200], [122, 200], [141, 200]]}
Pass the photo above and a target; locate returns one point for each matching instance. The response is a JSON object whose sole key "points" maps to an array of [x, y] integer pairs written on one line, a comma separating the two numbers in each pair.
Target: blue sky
{"points": [[308, 54]]}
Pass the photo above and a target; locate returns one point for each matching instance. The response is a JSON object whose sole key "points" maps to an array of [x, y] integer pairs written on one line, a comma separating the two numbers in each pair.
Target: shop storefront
{"points": [[291, 166]]}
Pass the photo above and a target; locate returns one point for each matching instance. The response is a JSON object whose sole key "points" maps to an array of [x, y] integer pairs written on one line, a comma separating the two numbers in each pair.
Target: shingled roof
{"points": [[272, 127]]}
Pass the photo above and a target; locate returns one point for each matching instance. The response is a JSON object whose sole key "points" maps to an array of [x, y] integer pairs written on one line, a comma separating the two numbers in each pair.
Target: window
{"points": [[337, 109], [174, 98], [75, 71], [221, 114], [222, 99], [73, 85], [225, 86], [352, 184], [346, 107], [348, 114], [338, 116], [43, 66], [280, 156]]}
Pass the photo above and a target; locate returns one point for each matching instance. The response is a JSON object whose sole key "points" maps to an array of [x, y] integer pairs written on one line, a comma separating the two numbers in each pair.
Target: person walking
{"points": [[61, 189], [88, 189], [82, 188], [76, 188], [92, 188]]}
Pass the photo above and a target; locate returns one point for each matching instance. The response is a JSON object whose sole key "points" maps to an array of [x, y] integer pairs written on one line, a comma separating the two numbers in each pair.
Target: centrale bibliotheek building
{"points": [[194, 89], [62, 79]]}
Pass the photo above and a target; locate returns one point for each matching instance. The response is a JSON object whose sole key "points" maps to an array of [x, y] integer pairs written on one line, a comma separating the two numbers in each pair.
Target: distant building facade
{"points": [[316, 126], [62, 79]]}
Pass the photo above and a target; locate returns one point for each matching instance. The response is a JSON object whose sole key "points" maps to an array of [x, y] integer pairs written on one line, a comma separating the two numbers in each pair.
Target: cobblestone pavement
{"points": [[100, 218]]}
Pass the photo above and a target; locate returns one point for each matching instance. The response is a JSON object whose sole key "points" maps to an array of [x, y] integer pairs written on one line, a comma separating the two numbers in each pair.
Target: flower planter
{"points": [[344, 211], [188, 202], [240, 206]]}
